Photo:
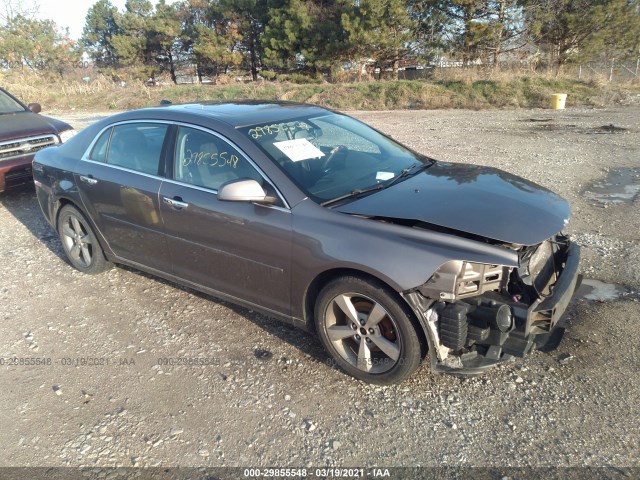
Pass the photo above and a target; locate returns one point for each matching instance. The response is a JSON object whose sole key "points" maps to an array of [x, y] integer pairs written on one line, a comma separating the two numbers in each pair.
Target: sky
{"points": [[67, 13]]}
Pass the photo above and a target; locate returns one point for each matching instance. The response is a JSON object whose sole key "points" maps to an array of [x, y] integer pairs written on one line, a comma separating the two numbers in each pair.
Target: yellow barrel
{"points": [[558, 100]]}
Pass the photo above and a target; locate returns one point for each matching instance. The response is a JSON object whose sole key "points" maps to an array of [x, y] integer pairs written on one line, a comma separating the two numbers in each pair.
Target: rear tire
{"points": [[79, 242], [368, 331]]}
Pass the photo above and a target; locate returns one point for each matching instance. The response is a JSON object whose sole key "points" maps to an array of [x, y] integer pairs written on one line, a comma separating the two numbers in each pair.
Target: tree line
{"points": [[319, 38]]}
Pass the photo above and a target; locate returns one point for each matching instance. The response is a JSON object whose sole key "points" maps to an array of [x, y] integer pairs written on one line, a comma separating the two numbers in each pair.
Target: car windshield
{"points": [[8, 104], [331, 156]]}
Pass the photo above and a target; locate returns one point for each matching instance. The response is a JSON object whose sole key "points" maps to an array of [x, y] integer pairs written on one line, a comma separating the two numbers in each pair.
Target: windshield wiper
{"points": [[411, 169], [354, 193]]}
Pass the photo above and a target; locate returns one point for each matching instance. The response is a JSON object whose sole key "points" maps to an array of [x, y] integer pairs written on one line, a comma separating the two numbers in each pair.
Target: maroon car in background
{"points": [[22, 133]]}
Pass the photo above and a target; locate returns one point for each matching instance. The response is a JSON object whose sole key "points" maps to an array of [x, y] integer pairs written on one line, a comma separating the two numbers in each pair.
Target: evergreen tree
{"points": [[287, 23], [430, 29], [163, 31], [99, 30], [379, 30], [216, 43], [249, 17], [579, 30], [320, 36], [131, 44], [470, 31], [507, 27], [209, 37]]}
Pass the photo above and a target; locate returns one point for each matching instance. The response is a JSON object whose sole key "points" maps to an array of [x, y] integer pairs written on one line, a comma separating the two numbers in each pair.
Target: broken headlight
{"points": [[540, 264], [458, 279]]}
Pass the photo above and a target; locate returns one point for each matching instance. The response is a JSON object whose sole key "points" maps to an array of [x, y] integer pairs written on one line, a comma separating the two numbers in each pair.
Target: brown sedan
{"points": [[315, 218]]}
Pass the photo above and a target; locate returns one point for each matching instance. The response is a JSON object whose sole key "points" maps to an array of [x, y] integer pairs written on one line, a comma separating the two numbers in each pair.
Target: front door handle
{"points": [[88, 179], [175, 202]]}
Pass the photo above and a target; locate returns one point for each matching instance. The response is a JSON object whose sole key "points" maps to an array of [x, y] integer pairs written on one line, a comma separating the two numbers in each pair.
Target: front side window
{"points": [[206, 160], [332, 155], [8, 104], [137, 146]]}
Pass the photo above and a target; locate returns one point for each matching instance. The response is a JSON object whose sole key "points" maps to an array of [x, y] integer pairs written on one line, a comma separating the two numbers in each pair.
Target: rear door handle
{"points": [[88, 179], [175, 202]]}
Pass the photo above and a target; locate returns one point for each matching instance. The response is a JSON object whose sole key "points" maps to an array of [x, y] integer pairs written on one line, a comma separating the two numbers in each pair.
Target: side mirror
{"points": [[244, 190], [35, 107]]}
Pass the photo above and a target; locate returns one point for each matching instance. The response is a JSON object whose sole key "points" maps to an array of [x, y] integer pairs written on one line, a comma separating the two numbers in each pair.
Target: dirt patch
{"points": [[621, 185], [611, 128]]}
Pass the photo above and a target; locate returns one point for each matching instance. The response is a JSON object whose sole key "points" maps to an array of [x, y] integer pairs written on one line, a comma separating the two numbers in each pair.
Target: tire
{"points": [[79, 242], [367, 330]]}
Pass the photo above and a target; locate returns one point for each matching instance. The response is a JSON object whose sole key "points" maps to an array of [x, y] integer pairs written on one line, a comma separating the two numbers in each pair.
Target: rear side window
{"points": [[137, 146], [99, 152]]}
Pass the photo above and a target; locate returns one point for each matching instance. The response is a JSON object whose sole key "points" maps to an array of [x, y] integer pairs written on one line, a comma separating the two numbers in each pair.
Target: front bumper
{"points": [[537, 325], [545, 313], [15, 172]]}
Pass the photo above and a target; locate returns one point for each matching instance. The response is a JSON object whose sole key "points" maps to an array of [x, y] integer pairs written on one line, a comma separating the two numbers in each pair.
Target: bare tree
{"points": [[13, 8]]}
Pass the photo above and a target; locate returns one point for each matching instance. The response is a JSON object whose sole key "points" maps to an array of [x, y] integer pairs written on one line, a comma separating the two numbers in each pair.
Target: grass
{"points": [[453, 89]]}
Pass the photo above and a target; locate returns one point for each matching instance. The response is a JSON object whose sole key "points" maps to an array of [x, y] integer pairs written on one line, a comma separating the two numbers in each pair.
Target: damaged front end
{"points": [[477, 315]]}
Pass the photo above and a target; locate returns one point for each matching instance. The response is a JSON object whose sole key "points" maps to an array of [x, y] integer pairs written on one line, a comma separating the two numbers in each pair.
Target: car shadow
{"points": [[298, 338], [22, 203]]}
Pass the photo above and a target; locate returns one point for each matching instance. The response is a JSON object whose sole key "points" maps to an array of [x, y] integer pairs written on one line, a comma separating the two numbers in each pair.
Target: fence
{"points": [[611, 71]]}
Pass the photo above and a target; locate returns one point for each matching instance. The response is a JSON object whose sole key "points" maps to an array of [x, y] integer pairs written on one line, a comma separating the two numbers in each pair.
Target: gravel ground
{"points": [[269, 397]]}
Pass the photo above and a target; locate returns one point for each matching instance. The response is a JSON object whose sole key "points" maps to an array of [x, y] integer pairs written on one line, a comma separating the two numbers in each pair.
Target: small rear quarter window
{"points": [[99, 150]]}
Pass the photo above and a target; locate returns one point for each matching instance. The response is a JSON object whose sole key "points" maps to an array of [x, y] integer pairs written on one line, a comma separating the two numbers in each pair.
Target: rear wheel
{"points": [[367, 330], [79, 242]]}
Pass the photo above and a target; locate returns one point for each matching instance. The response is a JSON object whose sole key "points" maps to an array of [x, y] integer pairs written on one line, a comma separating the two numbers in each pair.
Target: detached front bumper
{"points": [[545, 313], [483, 343]]}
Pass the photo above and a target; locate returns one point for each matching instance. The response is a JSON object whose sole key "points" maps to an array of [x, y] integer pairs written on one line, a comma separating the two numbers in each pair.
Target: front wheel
{"points": [[79, 242], [367, 330]]}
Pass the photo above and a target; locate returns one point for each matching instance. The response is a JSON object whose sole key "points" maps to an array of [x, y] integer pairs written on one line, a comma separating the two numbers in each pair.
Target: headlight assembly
{"points": [[66, 135], [458, 279]]}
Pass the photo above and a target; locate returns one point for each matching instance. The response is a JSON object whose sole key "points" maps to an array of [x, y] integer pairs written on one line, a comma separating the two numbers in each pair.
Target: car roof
{"points": [[243, 112]]}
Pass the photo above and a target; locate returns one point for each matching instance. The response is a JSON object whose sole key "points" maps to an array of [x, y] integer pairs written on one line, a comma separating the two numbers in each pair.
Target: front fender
{"points": [[402, 257]]}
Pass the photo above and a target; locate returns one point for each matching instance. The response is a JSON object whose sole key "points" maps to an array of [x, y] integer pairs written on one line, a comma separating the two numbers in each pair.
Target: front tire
{"points": [[367, 330], [79, 242]]}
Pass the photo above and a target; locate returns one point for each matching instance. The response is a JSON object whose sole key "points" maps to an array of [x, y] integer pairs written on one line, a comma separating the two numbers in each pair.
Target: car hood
{"points": [[27, 124], [474, 199]]}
